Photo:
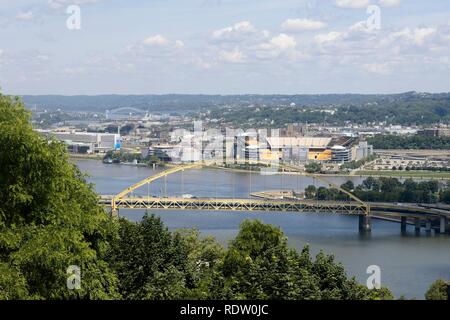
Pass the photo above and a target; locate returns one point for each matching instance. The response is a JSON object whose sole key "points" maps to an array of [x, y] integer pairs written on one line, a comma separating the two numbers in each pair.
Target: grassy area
{"points": [[86, 156], [404, 174]]}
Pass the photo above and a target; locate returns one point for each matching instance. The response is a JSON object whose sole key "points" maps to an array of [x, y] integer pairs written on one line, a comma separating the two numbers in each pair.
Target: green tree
{"points": [[323, 193], [348, 186], [259, 265], [153, 263], [310, 192], [148, 260], [313, 167], [204, 256], [12, 283], [49, 216], [437, 291], [445, 196]]}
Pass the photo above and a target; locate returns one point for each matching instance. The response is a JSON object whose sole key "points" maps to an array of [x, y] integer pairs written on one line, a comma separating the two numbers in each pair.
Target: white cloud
{"points": [[179, 44], [378, 68], [28, 15], [360, 26], [283, 42], [407, 36], [161, 41], [234, 56], [235, 32], [153, 48], [74, 71], [389, 3], [204, 64], [156, 40], [58, 4], [421, 35], [354, 4], [295, 25], [43, 57], [328, 37]]}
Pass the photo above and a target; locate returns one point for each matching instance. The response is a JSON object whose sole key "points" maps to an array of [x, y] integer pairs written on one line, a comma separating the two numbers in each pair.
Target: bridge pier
{"points": [[365, 223], [403, 224], [417, 225], [442, 225], [428, 226]]}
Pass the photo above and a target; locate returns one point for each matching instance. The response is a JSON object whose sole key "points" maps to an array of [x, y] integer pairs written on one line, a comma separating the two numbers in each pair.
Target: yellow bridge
{"points": [[355, 206], [351, 208]]}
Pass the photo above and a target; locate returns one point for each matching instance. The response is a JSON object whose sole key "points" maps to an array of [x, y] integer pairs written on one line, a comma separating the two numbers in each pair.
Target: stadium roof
{"points": [[306, 142]]}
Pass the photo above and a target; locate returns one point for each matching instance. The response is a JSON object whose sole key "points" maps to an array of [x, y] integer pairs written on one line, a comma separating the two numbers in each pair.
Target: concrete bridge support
{"points": [[403, 224], [442, 225], [417, 225], [428, 226], [365, 223]]}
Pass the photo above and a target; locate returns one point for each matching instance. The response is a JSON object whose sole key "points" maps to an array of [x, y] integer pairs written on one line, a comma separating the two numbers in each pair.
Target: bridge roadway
{"points": [[355, 206], [405, 213]]}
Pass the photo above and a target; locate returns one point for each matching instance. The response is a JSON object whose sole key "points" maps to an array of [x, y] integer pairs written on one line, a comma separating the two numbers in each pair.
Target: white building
{"points": [[340, 154], [361, 151], [97, 142]]}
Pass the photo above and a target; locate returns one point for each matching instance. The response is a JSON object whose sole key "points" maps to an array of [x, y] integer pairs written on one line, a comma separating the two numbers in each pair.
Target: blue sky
{"points": [[224, 47]]}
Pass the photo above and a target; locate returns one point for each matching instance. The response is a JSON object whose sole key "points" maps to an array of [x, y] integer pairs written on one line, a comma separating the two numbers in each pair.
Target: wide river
{"points": [[409, 263]]}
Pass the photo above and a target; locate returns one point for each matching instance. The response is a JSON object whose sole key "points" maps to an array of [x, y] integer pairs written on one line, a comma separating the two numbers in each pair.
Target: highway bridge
{"points": [[418, 215]]}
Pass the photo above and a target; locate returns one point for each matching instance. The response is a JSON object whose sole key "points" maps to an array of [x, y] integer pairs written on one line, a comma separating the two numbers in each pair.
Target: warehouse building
{"points": [[88, 142]]}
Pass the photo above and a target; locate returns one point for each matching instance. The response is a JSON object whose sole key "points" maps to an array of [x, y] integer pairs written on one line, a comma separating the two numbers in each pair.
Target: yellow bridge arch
{"points": [[122, 196]]}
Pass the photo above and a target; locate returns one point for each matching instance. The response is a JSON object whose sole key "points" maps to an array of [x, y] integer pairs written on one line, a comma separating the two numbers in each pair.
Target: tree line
{"points": [[385, 190], [404, 109], [409, 142]]}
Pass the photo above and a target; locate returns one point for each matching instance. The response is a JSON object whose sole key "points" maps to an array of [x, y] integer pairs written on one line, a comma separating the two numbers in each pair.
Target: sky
{"points": [[224, 46]]}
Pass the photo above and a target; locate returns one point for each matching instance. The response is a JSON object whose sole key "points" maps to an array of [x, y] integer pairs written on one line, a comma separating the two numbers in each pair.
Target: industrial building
{"points": [[435, 132], [85, 142], [362, 151]]}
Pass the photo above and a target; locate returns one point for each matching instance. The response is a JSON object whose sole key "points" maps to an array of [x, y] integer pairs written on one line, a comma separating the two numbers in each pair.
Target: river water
{"points": [[409, 263]]}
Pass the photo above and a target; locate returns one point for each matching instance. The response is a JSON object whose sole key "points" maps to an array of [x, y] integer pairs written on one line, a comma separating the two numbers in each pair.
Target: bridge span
{"points": [[419, 216], [404, 213]]}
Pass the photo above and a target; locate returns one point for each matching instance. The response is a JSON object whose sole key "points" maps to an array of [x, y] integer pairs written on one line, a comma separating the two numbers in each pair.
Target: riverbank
{"points": [[423, 175], [79, 156], [405, 174]]}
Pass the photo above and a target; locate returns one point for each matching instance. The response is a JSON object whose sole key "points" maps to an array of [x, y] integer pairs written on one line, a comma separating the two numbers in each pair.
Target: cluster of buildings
{"points": [[85, 142], [435, 132], [253, 147], [293, 144]]}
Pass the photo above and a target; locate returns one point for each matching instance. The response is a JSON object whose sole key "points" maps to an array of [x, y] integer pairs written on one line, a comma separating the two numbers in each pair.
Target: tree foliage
{"points": [[385, 190], [154, 263], [437, 291], [409, 142], [49, 217]]}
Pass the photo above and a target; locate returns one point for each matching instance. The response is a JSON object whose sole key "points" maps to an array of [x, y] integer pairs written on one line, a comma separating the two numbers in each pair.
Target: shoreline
{"points": [[364, 174]]}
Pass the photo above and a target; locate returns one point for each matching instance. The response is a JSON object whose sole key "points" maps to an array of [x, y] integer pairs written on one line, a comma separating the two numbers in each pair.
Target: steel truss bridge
{"points": [[350, 208], [430, 217]]}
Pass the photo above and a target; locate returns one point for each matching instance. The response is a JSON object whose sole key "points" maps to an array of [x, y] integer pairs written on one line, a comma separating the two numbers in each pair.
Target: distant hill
{"points": [[438, 104]]}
